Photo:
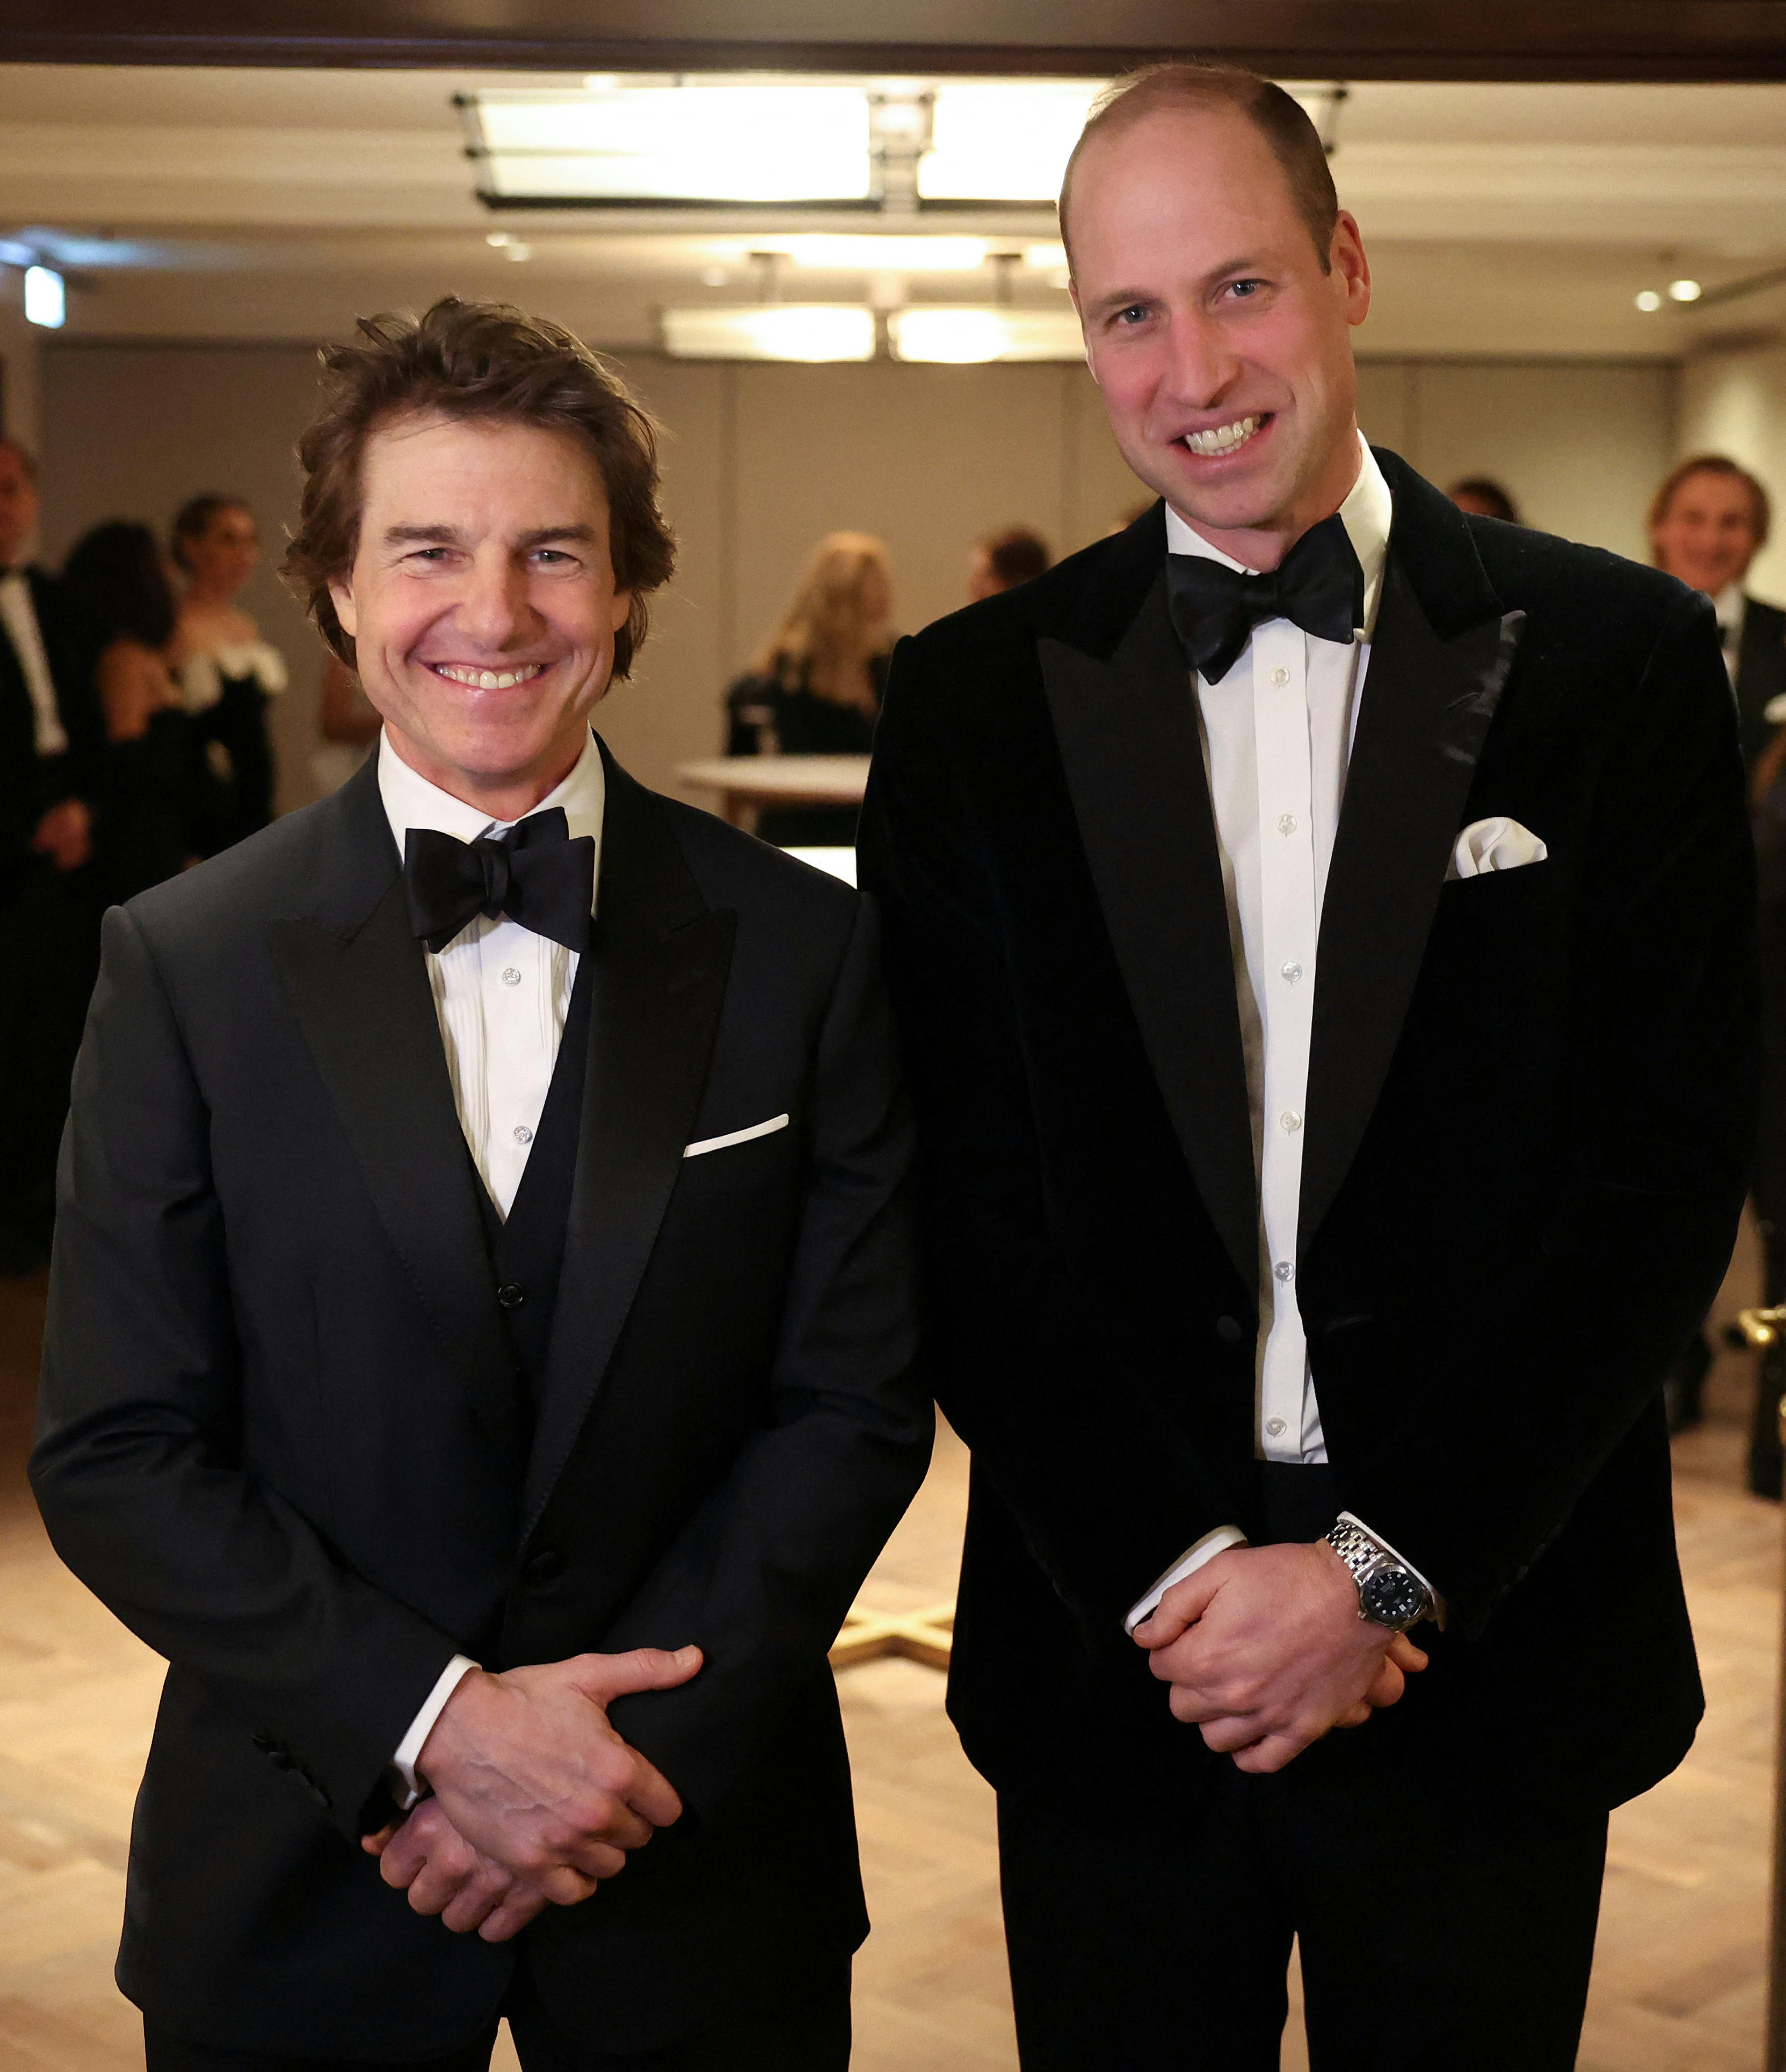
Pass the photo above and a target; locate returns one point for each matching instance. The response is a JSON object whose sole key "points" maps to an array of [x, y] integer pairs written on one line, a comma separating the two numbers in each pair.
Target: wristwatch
{"points": [[1390, 1593]]}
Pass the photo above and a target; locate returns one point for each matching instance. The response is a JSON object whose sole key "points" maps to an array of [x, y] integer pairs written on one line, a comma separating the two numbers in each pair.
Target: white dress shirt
{"points": [[1732, 607], [501, 995], [19, 615], [1277, 737]]}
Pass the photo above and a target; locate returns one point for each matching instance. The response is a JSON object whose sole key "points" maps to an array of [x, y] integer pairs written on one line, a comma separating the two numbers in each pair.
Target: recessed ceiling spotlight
{"points": [[499, 238], [1649, 302], [1684, 291], [515, 250], [714, 277]]}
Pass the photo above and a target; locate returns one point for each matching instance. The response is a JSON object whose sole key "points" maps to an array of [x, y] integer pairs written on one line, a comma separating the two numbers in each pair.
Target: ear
{"points": [[618, 611], [341, 596], [1350, 269]]}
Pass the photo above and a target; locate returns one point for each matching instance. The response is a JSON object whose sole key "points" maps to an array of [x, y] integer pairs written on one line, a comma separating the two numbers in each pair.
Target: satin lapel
{"points": [[1426, 704], [661, 959], [361, 997], [1127, 730]]}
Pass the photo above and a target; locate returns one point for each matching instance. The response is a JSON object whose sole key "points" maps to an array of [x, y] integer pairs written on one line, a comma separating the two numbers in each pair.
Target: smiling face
{"points": [[1223, 348], [1707, 534], [482, 603]]}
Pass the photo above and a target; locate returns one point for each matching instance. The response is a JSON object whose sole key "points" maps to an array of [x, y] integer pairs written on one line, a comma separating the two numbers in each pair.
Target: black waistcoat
{"points": [[1760, 675], [527, 1250]]}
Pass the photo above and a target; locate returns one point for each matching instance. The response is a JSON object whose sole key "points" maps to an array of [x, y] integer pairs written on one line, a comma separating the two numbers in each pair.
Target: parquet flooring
{"points": [[1678, 1983]]}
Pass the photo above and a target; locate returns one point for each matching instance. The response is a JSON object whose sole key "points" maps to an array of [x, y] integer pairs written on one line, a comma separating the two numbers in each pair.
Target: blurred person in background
{"points": [[348, 723], [1014, 554], [118, 587], [1708, 520], [815, 686], [49, 750], [1483, 497], [227, 671]]}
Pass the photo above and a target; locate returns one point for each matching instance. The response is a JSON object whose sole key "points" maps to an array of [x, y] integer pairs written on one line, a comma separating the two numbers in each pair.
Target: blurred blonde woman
{"points": [[815, 687]]}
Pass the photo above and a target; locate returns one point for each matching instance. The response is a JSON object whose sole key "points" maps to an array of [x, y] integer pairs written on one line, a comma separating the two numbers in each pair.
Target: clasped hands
{"points": [[536, 1798], [1265, 1651]]}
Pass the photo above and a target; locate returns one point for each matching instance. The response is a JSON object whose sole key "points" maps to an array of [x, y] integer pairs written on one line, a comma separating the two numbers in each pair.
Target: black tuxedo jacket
{"points": [[1760, 674], [281, 1437], [1529, 1119], [30, 783]]}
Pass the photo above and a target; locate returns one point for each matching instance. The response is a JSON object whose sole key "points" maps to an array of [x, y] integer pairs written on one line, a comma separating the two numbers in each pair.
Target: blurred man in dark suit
{"points": [[1320, 922], [50, 742]]}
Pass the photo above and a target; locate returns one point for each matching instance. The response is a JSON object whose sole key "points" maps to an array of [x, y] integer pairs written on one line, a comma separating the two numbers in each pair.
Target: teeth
{"points": [[488, 679], [1223, 438]]}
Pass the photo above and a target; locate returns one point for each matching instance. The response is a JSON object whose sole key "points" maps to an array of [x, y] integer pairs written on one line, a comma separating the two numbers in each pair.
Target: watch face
{"points": [[1393, 1597]]}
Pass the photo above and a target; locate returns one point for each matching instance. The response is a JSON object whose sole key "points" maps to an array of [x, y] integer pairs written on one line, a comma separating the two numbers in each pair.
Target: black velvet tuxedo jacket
{"points": [[30, 783], [282, 1434], [1529, 1129]]}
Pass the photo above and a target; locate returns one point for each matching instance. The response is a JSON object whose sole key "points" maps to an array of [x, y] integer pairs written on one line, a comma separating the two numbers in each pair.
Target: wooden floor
{"points": [[1677, 1985]]}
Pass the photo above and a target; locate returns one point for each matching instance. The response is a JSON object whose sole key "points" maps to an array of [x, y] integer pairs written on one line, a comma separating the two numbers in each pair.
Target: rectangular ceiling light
{"points": [[992, 142], [961, 336], [704, 142], [46, 301], [773, 331], [871, 253]]}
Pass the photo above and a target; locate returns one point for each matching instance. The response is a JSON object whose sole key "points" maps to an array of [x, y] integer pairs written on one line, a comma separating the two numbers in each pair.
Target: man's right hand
{"points": [[527, 1768]]}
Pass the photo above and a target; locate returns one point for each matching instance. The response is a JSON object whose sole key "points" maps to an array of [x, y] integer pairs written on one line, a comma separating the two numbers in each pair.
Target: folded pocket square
{"points": [[736, 1137], [1498, 844]]}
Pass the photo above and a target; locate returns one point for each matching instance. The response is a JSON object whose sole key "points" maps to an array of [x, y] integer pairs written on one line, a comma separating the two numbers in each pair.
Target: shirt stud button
{"points": [[1280, 677], [511, 976], [1287, 824], [1283, 1269], [1290, 1120], [1274, 1427], [1293, 971], [522, 1134]]}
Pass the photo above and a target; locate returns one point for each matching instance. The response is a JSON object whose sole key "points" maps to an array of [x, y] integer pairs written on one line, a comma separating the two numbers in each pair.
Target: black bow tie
{"points": [[535, 874], [1318, 585]]}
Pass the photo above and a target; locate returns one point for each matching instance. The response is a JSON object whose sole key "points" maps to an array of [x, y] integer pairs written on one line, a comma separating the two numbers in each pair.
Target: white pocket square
{"points": [[736, 1137], [1498, 844]]}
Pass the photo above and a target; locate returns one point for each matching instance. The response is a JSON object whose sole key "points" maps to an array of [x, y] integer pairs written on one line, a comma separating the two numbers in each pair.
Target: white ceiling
{"points": [[237, 203]]}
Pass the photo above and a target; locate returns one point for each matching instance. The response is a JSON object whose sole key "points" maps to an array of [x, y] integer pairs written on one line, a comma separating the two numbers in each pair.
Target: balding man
{"points": [[1320, 923]]}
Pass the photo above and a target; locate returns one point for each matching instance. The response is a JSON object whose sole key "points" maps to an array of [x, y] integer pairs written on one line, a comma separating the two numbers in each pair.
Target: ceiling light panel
{"points": [[1002, 142], [964, 336], [777, 330], [695, 143]]}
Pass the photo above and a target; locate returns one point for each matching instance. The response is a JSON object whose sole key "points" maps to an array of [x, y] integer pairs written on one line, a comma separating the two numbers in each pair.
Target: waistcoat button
{"points": [[511, 1294]]}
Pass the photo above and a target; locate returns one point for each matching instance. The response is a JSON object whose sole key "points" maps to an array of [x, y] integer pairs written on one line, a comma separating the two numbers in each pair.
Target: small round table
{"points": [[747, 782]]}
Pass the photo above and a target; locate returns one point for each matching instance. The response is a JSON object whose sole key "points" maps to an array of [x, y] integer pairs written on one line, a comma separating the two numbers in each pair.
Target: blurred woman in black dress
{"points": [[227, 673], [118, 591], [816, 686]]}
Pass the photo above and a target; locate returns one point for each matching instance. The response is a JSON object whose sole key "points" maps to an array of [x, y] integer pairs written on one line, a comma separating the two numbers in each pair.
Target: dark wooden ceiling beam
{"points": [[1489, 39]]}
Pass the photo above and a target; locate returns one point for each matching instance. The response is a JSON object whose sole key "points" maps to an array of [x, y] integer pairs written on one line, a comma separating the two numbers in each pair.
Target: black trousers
{"points": [[804, 2027], [1436, 1934]]}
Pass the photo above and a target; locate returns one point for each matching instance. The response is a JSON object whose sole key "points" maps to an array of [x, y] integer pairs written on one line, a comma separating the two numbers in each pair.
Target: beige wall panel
{"points": [[1580, 447], [667, 713], [928, 458], [1101, 492], [131, 431], [1385, 404]]}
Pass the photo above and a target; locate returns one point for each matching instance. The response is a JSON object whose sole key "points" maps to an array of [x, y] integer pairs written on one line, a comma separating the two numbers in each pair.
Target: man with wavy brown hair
{"points": [[480, 1354]]}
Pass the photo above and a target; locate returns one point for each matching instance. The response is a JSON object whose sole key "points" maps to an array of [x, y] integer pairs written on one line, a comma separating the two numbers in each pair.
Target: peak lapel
{"points": [[361, 995], [1129, 741], [1427, 700], [662, 960]]}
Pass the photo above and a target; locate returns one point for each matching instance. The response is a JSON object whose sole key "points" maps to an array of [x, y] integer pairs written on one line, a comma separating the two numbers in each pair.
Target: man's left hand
{"points": [[429, 1858], [65, 835], [1264, 1650]]}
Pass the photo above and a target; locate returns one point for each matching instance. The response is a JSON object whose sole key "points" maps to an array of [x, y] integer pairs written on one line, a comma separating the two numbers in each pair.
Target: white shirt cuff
{"points": [[406, 1791], [1352, 1517], [1206, 1549]]}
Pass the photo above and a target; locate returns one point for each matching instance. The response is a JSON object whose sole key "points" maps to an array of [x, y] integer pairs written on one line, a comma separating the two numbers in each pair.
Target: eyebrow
{"points": [[447, 536]]}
